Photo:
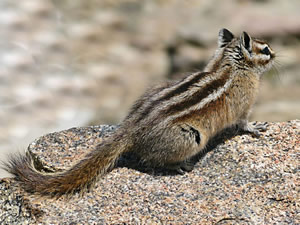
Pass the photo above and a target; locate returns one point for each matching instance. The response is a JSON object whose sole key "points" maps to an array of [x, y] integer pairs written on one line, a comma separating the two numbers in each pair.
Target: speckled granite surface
{"points": [[242, 181]]}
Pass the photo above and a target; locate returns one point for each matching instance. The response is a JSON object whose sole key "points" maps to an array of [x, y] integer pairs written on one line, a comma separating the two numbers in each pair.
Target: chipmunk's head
{"points": [[246, 52]]}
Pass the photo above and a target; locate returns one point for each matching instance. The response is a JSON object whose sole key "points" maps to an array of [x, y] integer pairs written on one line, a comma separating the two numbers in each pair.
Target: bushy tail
{"points": [[82, 175]]}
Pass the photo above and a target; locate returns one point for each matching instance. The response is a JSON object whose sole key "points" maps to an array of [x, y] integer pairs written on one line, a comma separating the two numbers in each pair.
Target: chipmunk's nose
{"points": [[272, 54]]}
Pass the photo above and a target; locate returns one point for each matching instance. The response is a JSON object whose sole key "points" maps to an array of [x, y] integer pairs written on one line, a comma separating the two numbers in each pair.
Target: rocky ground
{"points": [[73, 63], [243, 180]]}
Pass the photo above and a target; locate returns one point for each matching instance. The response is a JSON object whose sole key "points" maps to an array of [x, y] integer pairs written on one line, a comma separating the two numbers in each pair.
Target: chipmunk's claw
{"points": [[182, 167], [261, 126]]}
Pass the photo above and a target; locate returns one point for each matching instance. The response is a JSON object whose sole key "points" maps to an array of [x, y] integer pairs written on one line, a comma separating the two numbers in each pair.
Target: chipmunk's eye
{"points": [[266, 51]]}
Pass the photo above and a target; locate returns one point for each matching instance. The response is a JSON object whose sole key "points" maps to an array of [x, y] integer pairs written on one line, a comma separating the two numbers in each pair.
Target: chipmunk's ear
{"points": [[225, 36], [246, 41]]}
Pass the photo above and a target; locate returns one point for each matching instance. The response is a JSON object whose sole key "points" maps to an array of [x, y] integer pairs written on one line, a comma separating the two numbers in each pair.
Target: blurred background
{"points": [[84, 62]]}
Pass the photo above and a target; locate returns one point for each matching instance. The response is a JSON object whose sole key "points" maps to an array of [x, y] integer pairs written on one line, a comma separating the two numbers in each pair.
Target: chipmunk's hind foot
{"points": [[181, 167]]}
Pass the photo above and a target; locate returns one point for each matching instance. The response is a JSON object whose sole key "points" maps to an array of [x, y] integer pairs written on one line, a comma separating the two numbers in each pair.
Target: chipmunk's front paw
{"points": [[261, 126], [254, 128]]}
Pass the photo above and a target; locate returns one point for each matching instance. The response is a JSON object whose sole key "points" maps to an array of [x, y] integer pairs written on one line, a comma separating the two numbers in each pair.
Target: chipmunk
{"points": [[170, 123]]}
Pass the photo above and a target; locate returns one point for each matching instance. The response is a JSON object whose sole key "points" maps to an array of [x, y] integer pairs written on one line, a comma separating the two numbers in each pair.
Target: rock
{"points": [[244, 180]]}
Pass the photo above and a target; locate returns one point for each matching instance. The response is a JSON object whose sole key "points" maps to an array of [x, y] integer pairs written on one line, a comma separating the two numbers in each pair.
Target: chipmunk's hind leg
{"points": [[172, 147], [190, 139]]}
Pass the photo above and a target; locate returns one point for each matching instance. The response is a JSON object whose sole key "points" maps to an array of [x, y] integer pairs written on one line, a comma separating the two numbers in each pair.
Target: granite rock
{"points": [[72, 63], [240, 180]]}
